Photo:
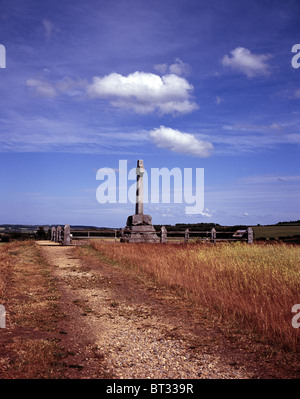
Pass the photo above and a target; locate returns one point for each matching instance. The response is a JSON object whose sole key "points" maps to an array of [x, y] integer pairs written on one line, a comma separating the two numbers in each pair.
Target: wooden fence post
{"points": [[213, 235], [186, 235]]}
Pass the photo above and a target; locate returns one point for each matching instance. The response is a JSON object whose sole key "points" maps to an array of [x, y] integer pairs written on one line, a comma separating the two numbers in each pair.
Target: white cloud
{"points": [[67, 86], [141, 92], [49, 28], [71, 87], [296, 94], [178, 68], [206, 212], [161, 68], [145, 92], [244, 61], [243, 127], [184, 143], [180, 107], [270, 179], [276, 126], [22, 133], [42, 88]]}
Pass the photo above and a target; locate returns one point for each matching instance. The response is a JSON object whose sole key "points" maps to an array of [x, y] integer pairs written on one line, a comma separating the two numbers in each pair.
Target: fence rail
{"points": [[65, 235], [95, 234], [211, 236]]}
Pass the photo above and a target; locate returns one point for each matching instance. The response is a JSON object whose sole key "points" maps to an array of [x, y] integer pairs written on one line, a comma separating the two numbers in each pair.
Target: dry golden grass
{"points": [[29, 296], [2, 284], [34, 357], [253, 286], [5, 269]]}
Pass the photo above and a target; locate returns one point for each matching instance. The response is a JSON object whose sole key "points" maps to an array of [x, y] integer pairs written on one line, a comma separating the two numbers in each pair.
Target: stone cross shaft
{"points": [[139, 206]]}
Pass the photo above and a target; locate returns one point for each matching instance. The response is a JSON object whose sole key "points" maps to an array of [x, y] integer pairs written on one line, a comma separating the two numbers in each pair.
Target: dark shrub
{"points": [[5, 238]]}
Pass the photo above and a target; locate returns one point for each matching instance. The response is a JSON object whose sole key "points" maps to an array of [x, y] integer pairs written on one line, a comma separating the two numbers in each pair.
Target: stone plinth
{"points": [[139, 220], [139, 228]]}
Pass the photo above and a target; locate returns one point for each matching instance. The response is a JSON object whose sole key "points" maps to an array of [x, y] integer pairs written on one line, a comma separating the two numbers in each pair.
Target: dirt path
{"points": [[120, 325]]}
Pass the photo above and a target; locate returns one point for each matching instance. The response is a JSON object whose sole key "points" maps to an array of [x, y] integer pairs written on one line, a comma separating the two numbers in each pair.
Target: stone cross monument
{"points": [[140, 170], [139, 227]]}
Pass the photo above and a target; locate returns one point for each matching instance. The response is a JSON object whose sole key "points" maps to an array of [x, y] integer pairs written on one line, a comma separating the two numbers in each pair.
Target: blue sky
{"points": [[186, 84]]}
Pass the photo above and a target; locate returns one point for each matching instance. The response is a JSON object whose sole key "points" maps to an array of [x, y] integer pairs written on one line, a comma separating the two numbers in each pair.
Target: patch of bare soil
{"points": [[118, 324]]}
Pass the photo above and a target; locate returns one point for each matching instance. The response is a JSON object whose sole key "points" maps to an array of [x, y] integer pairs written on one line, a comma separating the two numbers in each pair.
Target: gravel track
{"points": [[118, 325]]}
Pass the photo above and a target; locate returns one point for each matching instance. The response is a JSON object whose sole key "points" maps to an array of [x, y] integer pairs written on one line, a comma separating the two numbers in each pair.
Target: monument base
{"points": [[139, 228]]}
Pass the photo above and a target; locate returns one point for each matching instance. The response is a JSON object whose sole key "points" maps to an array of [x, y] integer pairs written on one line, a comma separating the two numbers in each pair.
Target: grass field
{"points": [[275, 231], [29, 296], [252, 286], [248, 289]]}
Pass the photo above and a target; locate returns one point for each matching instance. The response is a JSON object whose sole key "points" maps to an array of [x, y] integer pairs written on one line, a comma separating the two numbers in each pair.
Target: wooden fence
{"points": [[111, 234], [212, 235], [66, 235]]}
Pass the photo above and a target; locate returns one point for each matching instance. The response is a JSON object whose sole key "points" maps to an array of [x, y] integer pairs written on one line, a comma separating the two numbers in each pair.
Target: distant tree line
{"points": [[296, 222], [40, 234]]}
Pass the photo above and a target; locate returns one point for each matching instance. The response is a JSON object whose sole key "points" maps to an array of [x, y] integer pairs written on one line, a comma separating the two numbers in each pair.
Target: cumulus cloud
{"points": [[145, 92], [141, 92], [161, 68], [180, 142], [179, 68], [244, 61]]}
